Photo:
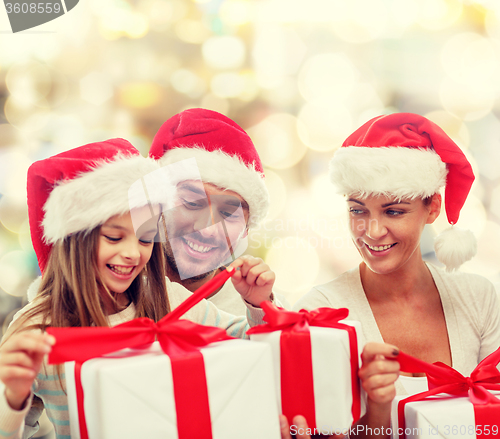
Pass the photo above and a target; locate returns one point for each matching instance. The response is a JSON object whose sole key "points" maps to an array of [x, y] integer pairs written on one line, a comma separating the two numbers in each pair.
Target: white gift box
{"points": [[129, 394], [331, 364], [441, 416]]}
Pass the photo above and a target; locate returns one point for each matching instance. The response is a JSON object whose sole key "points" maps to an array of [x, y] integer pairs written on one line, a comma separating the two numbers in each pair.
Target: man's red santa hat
{"points": [[82, 188], [225, 155], [407, 156]]}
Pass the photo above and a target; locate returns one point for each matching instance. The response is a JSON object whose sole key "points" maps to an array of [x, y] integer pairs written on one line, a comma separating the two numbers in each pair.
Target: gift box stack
{"points": [[454, 406], [179, 379]]}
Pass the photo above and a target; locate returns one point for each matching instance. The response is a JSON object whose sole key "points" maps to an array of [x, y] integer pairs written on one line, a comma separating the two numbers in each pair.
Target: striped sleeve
{"points": [[12, 421]]}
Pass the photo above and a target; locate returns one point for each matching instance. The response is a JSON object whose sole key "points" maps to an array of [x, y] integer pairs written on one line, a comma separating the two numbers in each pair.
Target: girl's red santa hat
{"points": [[80, 189], [408, 156], [225, 155]]}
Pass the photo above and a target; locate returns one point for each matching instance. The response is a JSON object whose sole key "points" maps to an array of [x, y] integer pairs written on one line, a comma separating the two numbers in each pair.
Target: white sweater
{"points": [[470, 306]]}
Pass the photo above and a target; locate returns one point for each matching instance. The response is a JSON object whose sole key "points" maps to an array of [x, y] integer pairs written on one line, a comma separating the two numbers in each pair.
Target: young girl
{"points": [[93, 219]]}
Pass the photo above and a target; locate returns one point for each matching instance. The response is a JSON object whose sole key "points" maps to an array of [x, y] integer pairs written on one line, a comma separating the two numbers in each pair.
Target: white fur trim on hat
{"points": [[402, 172], [90, 199], [454, 246], [227, 172]]}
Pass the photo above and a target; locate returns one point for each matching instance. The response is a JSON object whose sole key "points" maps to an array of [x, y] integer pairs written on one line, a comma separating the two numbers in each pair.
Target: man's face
{"points": [[203, 228]]}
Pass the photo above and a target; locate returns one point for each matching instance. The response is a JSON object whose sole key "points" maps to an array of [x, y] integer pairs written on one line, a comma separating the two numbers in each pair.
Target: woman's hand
{"points": [[254, 280], [21, 357], [378, 373]]}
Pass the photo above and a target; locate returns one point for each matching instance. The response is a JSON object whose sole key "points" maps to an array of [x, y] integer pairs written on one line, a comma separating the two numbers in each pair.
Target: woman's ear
{"points": [[434, 208]]}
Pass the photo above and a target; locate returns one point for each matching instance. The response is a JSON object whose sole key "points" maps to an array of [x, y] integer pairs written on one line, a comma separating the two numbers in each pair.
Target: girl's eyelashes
{"points": [[392, 212], [110, 238]]}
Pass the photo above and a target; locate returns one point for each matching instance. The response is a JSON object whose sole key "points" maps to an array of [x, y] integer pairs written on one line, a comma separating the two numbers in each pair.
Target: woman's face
{"points": [[387, 231], [123, 251]]}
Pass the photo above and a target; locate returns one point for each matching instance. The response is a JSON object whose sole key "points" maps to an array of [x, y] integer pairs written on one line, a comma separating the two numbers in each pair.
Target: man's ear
{"points": [[434, 208]]}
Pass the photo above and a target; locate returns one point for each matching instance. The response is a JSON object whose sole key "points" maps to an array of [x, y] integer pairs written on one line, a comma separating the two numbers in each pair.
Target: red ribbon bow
{"points": [[179, 339], [444, 379], [297, 384]]}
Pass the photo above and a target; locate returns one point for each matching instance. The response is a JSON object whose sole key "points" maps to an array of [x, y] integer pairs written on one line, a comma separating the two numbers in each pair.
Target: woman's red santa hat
{"points": [[407, 156], [82, 188], [225, 155]]}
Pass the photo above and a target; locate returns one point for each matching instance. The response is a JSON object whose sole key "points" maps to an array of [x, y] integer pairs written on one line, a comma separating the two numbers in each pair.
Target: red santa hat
{"points": [[408, 156], [82, 188], [225, 155]]}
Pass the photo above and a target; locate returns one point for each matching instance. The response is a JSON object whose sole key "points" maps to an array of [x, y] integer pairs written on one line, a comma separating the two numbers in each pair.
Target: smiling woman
{"points": [[391, 170]]}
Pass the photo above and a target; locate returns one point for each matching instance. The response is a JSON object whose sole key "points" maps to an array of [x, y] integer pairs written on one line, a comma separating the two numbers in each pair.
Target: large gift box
{"points": [[454, 406], [193, 382], [316, 361]]}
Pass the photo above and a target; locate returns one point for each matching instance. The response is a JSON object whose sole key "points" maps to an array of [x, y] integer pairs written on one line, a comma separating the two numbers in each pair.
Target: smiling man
{"points": [[219, 195]]}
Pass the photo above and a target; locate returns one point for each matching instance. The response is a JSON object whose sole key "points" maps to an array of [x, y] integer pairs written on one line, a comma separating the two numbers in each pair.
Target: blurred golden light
{"points": [[295, 262], [277, 52], [13, 213], [137, 26], [324, 124], [452, 126], [404, 13], [472, 217], [485, 263], [187, 82], [140, 94], [24, 237], [237, 12], [28, 82], [191, 31], [8, 135], [224, 52], [277, 141], [325, 196], [277, 194], [492, 21], [27, 117], [15, 275], [250, 88], [215, 103], [96, 88], [470, 59], [361, 21], [330, 74], [292, 11], [13, 174], [466, 101], [285, 93], [227, 85], [439, 14]]}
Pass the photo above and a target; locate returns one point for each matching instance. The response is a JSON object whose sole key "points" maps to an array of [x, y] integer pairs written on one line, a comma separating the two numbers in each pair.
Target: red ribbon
{"points": [[444, 379], [179, 339], [297, 383]]}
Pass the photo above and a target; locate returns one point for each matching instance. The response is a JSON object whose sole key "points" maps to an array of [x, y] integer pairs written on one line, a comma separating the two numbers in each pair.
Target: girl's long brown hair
{"points": [[70, 291]]}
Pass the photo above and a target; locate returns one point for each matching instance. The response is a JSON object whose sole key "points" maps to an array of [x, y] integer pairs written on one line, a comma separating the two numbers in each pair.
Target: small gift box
{"points": [[316, 361], [193, 382], [454, 406]]}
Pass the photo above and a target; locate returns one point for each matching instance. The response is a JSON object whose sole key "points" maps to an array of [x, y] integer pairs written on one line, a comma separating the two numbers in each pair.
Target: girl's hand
{"points": [[21, 357], [378, 373], [254, 280]]}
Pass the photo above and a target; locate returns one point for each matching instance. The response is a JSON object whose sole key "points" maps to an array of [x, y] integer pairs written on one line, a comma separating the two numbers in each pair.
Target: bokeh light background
{"points": [[298, 75]]}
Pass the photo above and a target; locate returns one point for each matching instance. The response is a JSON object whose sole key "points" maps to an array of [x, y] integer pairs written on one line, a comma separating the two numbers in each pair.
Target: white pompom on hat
{"points": [[225, 155], [408, 156], [82, 188]]}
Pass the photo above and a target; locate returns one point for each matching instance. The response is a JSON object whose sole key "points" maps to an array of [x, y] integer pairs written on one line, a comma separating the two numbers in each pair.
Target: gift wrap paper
{"points": [[333, 395], [441, 416], [129, 394]]}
